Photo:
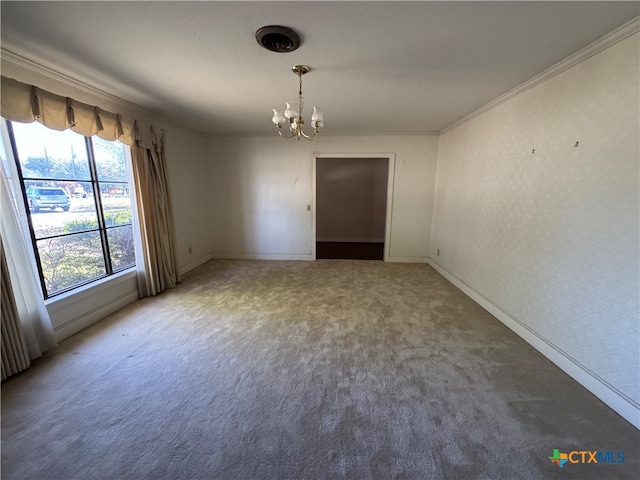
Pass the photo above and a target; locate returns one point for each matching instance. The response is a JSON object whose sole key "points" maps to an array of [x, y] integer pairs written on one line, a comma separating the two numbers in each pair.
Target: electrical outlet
{"points": [[189, 250], [308, 208], [438, 253]]}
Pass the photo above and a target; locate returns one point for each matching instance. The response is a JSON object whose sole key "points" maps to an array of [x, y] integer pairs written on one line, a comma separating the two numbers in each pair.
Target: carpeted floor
{"points": [[304, 370]]}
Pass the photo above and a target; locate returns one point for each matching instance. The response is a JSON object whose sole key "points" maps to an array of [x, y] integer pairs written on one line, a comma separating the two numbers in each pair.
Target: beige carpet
{"points": [[303, 370]]}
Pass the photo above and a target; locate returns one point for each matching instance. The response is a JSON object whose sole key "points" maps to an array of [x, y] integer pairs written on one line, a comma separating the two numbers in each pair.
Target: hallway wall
{"points": [[351, 199]]}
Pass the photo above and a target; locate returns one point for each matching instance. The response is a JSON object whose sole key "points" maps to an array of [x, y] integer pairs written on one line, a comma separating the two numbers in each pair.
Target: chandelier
{"points": [[293, 113]]}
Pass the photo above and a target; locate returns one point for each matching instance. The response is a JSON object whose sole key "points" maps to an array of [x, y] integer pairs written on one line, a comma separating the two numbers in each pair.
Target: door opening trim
{"points": [[391, 157]]}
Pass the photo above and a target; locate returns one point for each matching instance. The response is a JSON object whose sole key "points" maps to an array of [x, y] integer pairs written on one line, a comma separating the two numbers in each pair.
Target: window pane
{"points": [[70, 260], [121, 247], [110, 160], [116, 203], [61, 181], [46, 153], [55, 212]]}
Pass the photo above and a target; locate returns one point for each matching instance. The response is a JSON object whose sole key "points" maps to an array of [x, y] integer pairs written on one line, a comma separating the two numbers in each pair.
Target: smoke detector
{"points": [[276, 38]]}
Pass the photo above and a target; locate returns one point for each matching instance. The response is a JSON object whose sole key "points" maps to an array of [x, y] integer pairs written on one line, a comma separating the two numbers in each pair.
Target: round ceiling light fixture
{"points": [[276, 38]]}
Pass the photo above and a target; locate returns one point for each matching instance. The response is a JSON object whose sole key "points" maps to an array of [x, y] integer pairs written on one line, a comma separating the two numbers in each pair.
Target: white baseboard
{"points": [[391, 259], [625, 407], [262, 256], [195, 264], [87, 319], [308, 257]]}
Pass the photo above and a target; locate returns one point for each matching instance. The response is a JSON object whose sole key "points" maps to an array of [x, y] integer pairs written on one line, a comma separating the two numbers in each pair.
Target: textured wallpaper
{"points": [[537, 209]]}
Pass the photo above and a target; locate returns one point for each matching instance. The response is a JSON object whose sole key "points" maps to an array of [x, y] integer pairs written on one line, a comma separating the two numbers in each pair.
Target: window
{"points": [[77, 196]]}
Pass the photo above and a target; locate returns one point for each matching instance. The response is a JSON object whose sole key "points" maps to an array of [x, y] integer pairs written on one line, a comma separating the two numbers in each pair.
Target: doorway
{"points": [[351, 196]]}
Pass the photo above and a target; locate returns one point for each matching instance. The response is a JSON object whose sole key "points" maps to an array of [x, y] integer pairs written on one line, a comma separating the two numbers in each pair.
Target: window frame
{"points": [[102, 228]]}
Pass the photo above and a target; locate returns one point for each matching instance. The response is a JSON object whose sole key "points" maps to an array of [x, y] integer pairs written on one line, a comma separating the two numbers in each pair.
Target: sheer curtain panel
{"points": [[24, 299]]}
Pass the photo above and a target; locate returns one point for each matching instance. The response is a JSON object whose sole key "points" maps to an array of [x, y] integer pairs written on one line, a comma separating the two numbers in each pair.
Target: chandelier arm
{"points": [[308, 137], [284, 136]]}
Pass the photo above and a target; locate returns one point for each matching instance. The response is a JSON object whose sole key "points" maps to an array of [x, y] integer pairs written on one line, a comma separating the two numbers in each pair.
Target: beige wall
{"points": [[551, 238], [261, 187]]}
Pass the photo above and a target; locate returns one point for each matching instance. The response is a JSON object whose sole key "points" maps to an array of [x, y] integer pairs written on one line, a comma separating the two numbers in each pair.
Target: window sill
{"points": [[60, 301]]}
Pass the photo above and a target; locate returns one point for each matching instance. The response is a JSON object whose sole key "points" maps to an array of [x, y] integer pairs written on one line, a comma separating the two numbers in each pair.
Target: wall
{"points": [[548, 240], [188, 187], [262, 186], [351, 199]]}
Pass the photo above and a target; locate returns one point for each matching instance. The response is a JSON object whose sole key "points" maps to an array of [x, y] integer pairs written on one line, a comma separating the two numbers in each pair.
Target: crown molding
{"points": [[608, 40], [128, 107], [33, 66]]}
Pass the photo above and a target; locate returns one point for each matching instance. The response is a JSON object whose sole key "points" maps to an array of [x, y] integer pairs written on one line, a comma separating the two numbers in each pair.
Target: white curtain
{"points": [[21, 265]]}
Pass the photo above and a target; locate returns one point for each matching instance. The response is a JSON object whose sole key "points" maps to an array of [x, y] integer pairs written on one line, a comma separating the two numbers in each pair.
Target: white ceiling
{"points": [[377, 67]]}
